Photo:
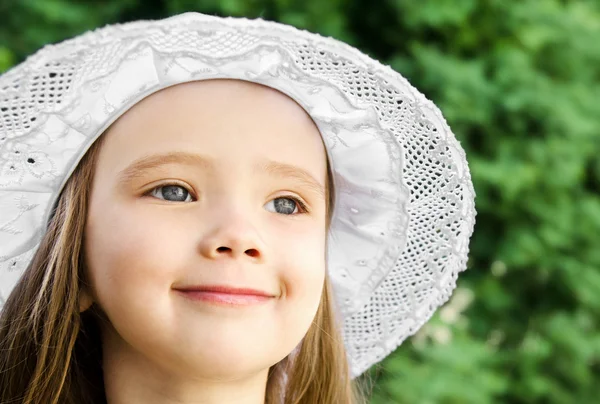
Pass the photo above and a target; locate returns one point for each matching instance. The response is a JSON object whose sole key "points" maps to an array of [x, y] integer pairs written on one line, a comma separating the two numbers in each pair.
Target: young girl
{"points": [[217, 210]]}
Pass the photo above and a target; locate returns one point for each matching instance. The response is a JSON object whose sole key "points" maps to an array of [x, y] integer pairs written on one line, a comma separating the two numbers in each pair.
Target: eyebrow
{"points": [[141, 166]]}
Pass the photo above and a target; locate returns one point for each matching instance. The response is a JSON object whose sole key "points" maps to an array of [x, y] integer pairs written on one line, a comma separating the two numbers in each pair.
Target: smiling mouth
{"points": [[224, 298]]}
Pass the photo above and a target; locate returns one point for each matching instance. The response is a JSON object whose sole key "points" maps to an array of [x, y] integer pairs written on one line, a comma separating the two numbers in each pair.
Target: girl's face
{"points": [[221, 210]]}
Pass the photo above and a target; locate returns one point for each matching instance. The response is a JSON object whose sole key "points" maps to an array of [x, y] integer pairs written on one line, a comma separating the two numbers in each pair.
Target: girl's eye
{"points": [[175, 191], [287, 205]]}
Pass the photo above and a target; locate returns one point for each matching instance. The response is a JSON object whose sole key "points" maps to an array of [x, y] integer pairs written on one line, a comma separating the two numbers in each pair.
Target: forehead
{"points": [[235, 123]]}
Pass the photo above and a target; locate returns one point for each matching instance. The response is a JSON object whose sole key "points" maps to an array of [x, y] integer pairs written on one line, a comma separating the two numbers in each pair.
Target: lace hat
{"points": [[404, 210]]}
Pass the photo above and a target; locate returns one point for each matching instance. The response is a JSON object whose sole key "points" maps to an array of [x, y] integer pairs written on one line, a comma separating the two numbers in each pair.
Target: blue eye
{"points": [[171, 190], [287, 205]]}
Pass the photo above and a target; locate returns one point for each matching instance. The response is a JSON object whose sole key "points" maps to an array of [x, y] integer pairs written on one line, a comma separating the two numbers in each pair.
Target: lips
{"points": [[223, 289], [225, 295]]}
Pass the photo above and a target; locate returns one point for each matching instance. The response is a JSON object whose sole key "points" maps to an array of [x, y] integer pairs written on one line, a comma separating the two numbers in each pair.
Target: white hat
{"points": [[404, 201]]}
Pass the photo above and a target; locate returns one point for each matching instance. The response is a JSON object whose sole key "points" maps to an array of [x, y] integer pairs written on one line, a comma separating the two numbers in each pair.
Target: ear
{"points": [[85, 300]]}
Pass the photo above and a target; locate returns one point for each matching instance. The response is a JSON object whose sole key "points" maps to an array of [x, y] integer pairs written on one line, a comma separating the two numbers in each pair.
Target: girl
{"points": [[210, 210]]}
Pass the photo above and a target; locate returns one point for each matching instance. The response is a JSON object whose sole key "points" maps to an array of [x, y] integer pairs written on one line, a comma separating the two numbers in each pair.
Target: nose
{"points": [[233, 236]]}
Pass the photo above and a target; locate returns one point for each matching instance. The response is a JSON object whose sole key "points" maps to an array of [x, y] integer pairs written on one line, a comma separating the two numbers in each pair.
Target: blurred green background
{"points": [[519, 84]]}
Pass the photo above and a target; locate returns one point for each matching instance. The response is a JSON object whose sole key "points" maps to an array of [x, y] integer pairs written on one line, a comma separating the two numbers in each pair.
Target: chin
{"points": [[226, 365]]}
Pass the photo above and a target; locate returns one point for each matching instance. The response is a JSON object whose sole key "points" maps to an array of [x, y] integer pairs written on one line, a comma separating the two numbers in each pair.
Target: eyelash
{"points": [[301, 205]]}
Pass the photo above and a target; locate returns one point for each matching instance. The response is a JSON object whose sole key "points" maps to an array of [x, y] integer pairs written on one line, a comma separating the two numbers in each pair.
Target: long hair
{"points": [[51, 353]]}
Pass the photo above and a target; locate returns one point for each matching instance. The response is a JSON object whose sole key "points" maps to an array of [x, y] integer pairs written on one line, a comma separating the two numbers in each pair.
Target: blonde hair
{"points": [[51, 353]]}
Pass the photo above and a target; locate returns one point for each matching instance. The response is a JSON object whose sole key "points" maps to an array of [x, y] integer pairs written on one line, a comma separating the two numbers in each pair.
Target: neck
{"points": [[132, 378]]}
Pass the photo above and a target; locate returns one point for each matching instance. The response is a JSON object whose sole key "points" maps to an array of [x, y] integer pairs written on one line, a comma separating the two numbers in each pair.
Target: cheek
{"points": [[131, 259], [303, 274]]}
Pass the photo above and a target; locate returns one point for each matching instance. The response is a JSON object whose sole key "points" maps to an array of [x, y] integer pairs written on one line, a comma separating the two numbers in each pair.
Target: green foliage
{"points": [[519, 84]]}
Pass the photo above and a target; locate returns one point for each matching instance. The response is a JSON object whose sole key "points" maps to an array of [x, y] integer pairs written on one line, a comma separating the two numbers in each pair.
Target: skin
{"points": [[141, 242]]}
